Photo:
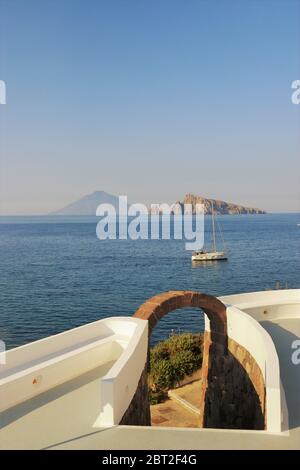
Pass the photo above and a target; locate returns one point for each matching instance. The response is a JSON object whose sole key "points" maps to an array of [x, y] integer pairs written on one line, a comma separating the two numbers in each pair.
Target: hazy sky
{"points": [[149, 98]]}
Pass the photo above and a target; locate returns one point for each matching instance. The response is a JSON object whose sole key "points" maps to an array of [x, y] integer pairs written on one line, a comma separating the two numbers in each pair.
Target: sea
{"points": [[55, 274]]}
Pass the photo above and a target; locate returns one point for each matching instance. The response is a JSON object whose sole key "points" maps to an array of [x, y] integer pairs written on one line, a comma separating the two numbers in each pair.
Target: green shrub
{"points": [[184, 364], [171, 360], [163, 373]]}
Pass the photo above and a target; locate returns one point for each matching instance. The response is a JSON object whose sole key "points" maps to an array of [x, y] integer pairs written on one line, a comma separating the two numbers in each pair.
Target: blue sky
{"points": [[152, 99]]}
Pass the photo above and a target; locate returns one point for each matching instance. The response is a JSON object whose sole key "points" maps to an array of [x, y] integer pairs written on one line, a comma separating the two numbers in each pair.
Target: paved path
{"points": [[173, 414]]}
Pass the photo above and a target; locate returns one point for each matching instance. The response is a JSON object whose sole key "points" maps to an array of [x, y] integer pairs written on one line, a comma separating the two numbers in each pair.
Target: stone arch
{"points": [[215, 342], [162, 304]]}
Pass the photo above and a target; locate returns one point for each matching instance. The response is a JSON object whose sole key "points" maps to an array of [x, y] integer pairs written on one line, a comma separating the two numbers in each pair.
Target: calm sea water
{"points": [[55, 274]]}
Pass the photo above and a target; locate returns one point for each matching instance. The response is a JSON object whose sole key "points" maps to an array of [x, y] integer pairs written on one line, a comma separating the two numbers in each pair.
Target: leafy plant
{"points": [[171, 360]]}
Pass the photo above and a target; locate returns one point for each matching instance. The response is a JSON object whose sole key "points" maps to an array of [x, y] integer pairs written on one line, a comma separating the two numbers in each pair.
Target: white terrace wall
{"points": [[71, 384]]}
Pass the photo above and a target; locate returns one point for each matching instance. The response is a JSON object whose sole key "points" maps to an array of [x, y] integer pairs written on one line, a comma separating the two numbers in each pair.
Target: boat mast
{"points": [[213, 226]]}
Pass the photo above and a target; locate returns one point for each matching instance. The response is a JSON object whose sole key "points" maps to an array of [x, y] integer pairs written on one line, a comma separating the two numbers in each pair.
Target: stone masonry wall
{"points": [[233, 391], [138, 412]]}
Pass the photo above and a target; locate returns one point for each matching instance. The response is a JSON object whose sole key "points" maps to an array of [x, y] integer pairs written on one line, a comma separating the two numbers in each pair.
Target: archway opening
{"points": [[176, 377]]}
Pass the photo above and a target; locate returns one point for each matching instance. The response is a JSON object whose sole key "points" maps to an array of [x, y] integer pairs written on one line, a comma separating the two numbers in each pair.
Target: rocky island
{"points": [[220, 207]]}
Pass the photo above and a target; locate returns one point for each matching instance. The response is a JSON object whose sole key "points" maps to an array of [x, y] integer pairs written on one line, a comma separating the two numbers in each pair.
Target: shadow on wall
{"points": [[231, 400]]}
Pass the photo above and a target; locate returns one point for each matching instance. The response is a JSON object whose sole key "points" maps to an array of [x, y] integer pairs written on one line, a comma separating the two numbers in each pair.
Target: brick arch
{"points": [[215, 344], [162, 304], [232, 392]]}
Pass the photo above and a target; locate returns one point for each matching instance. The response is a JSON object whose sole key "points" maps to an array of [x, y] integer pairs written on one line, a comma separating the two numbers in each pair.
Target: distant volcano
{"points": [[88, 204]]}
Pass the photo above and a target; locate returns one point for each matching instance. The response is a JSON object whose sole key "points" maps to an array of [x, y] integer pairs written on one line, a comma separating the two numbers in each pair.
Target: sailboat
{"points": [[214, 254]]}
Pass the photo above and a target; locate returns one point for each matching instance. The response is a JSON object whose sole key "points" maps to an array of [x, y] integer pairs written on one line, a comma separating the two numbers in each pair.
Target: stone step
{"points": [[181, 401]]}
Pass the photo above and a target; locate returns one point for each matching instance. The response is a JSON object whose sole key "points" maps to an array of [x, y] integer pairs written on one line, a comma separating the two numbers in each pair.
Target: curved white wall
{"points": [[244, 313], [68, 384], [246, 331]]}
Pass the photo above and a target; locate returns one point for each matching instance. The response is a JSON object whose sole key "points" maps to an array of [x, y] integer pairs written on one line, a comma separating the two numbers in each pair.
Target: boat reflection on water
{"points": [[207, 263]]}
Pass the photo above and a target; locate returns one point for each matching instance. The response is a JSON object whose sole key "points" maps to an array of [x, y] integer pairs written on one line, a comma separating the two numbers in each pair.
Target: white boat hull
{"points": [[211, 256]]}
